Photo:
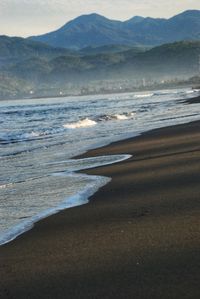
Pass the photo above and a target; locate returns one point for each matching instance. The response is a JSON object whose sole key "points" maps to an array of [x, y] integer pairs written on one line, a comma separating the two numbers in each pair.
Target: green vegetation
{"points": [[107, 49], [53, 70]]}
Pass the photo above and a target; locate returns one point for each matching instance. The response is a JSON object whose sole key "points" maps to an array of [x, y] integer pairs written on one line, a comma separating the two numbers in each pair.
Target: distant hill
{"points": [[95, 31], [13, 49], [177, 59], [27, 65], [107, 49]]}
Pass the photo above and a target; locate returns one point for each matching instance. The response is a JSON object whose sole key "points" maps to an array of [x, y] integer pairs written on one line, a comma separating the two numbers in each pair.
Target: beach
{"points": [[139, 236]]}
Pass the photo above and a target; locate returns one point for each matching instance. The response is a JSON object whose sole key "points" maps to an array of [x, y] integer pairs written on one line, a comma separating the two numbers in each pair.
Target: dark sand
{"points": [[139, 237], [195, 100]]}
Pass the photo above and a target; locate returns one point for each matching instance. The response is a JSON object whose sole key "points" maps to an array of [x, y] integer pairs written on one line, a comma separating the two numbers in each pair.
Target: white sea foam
{"points": [[86, 122], [146, 95], [35, 134], [31, 135], [191, 91], [172, 92], [4, 186], [121, 116], [12, 136], [80, 198], [124, 116], [88, 163]]}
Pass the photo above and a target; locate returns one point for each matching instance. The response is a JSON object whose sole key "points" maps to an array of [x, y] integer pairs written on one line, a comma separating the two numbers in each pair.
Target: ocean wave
{"points": [[86, 122], [173, 92], [191, 91], [80, 198], [36, 111], [146, 95], [15, 137], [163, 93], [32, 135], [4, 186], [42, 133], [121, 116]]}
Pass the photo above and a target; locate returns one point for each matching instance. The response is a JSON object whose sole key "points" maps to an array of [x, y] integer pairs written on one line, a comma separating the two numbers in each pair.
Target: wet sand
{"points": [[195, 100], [139, 237]]}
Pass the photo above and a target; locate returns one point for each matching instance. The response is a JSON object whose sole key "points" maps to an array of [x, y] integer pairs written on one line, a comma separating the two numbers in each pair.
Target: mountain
{"points": [[110, 49], [85, 31], [176, 60], [180, 58], [15, 49], [95, 31]]}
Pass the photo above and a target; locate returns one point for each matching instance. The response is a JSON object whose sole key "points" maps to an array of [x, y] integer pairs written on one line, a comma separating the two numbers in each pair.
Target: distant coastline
{"points": [[107, 92]]}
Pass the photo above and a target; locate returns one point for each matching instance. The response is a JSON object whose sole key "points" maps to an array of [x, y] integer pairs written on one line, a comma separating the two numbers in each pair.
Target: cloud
{"points": [[27, 17]]}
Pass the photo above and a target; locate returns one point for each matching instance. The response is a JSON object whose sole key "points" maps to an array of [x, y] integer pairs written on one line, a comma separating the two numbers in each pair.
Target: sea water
{"points": [[40, 137]]}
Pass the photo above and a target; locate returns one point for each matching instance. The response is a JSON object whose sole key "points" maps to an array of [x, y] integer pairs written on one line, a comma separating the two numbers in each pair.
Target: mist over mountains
{"points": [[96, 30], [87, 52]]}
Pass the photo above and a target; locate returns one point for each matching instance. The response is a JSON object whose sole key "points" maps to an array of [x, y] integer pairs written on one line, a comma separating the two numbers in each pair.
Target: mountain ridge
{"points": [[49, 75], [96, 30]]}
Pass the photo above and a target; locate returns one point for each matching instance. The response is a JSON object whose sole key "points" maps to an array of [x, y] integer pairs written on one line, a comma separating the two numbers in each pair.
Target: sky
{"points": [[33, 17]]}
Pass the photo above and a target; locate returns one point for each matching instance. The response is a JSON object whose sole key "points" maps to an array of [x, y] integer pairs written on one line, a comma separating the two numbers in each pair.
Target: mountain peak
{"points": [[135, 19], [96, 30], [87, 18], [92, 16]]}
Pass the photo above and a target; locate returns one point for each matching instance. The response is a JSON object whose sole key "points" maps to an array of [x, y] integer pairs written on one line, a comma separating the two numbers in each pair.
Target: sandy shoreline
{"points": [[139, 237]]}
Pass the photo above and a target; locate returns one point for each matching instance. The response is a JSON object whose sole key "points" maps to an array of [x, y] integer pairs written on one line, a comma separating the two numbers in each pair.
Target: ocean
{"points": [[39, 139]]}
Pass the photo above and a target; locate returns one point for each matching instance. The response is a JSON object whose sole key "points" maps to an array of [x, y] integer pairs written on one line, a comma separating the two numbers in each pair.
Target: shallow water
{"points": [[38, 138]]}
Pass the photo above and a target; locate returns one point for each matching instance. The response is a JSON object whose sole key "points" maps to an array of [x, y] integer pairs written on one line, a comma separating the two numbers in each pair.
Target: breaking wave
{"points": [[86, 122], [15, 137], [122, 116], [4, 186], [175, 92], [146, 95]]}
